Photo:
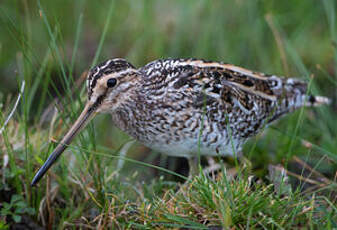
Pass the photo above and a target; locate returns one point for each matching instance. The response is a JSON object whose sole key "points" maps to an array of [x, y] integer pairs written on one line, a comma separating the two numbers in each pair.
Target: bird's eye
{"points": [[111, 82]]}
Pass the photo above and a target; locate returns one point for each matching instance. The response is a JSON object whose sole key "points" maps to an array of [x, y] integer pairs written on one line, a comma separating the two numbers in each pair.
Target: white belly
{"points": [[192, 147]]}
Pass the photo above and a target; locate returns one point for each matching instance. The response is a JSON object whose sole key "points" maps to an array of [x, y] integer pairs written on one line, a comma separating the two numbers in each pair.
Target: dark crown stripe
{"points": [[108, 67]]}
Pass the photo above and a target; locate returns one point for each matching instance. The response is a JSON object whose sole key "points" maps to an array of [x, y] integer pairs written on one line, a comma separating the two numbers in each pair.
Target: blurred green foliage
{"points": [[233, 31]]}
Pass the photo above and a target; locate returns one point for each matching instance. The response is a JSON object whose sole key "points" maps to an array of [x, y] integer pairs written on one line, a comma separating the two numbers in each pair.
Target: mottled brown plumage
{"points": [[183, 107]]}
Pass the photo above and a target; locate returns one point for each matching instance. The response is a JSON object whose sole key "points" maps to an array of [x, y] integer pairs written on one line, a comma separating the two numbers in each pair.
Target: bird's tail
{"points": [[293, 95], [310, 100], [296, 94]]}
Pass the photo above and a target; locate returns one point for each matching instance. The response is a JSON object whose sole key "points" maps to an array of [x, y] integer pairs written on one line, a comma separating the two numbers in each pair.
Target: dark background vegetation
{"points": [[49, 45]]}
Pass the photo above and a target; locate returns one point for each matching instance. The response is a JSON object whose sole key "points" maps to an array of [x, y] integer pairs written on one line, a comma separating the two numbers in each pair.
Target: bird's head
{"points": [[109, 84]]}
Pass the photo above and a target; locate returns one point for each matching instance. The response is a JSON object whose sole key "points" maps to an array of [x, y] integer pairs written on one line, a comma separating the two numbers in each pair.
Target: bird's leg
{"points": [[212, 167], [193, 163], [244, 160]]}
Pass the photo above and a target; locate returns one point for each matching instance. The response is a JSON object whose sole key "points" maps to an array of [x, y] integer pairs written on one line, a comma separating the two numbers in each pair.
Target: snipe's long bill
{"points": [[186, 107], [81, 122]]}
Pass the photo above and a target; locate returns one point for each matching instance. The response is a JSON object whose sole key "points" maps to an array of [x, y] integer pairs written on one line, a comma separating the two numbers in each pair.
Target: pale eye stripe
{"points": [[99, 68], [97, 72], [106, 64]]}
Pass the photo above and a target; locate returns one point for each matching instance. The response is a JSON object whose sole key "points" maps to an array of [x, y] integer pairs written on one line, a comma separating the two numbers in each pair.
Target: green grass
{"points": [[49, 45]]}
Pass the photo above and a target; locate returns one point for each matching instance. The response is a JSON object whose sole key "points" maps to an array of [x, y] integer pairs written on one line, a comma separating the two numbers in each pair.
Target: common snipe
{"points": [[182, 107]]}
